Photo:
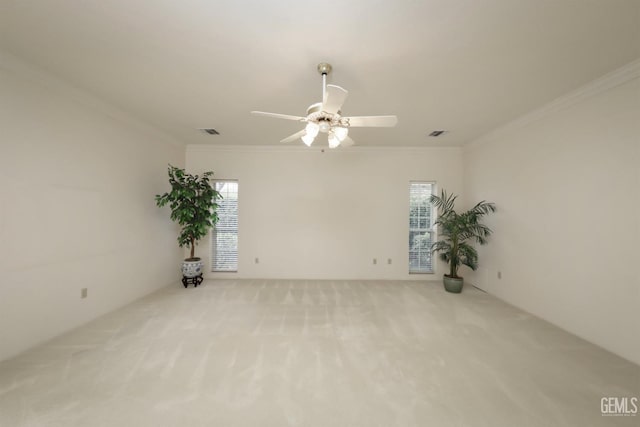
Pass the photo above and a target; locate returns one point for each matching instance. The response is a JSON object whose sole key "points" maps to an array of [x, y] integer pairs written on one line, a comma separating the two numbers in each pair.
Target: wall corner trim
{"points": [[609, 81]]}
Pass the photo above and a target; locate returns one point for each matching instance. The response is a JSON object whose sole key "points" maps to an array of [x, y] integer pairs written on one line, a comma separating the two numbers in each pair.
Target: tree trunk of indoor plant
{"points": [[453, 283], [192, 266]]}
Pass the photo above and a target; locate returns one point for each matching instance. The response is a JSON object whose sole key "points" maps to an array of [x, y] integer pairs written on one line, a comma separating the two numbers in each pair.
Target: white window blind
{"points": [[420, 227], [224, 238]]}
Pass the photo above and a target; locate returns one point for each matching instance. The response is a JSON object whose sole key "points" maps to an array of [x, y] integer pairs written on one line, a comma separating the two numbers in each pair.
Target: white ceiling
{"points": [[467, 66]]}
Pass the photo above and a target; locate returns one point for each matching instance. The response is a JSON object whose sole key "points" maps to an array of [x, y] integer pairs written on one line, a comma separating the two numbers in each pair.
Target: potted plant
{"points": [[193, 205], [456, 230]]}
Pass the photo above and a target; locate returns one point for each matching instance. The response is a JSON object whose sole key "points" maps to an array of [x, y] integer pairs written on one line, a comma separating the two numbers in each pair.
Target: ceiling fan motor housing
{"points": [[323, 119]]}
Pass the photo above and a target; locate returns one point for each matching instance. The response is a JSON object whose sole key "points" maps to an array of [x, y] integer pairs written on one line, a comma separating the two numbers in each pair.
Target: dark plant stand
{"points": [[195, 281]]}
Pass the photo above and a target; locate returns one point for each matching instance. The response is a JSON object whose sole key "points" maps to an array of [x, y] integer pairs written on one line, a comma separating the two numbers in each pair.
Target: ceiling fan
{"points": [[326, 117]]}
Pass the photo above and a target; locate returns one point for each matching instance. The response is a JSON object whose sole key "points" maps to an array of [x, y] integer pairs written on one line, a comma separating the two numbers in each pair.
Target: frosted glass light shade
{"points": [[324, 127], [340, 133], [333, 140], [308, 139], [312, 129]]}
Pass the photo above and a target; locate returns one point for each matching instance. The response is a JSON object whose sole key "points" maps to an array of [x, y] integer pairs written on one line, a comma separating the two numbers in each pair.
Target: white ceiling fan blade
{"points": [[347, 142], [372, 121], [279, 116], [334, 97], [295, 136]]}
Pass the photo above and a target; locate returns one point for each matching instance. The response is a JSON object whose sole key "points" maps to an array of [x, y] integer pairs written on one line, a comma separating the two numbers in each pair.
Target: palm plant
{"points": [[456, 229]]}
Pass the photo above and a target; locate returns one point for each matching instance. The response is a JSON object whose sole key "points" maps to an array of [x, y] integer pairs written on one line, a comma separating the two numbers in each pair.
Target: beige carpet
{"points": [[315, 353]]}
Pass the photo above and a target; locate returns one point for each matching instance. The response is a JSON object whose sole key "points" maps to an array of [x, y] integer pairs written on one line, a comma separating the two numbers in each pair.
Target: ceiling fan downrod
{"points": [[324, 69]]}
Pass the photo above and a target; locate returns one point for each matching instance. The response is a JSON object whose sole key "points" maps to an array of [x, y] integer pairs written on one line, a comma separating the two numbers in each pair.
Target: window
{"points": [[224, 237], [420, 227]]}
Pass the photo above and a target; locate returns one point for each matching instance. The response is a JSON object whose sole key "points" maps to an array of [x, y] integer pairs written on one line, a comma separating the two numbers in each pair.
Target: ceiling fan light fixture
{"points": [[312, 129], [333, 140], [308, 139], [340, 132], [324, 126]]}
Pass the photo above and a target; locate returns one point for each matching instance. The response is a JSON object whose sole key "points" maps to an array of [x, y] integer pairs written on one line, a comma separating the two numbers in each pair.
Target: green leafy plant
{"points": [[193, 205], [457, 229]]}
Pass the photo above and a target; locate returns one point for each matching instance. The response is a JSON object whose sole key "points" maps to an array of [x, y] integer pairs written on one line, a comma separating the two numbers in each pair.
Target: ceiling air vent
{"points": [[210, 131], [437, 133]]}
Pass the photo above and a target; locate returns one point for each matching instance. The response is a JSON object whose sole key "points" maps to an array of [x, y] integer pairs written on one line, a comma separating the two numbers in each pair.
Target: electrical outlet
{"points": [[375, 261], [499, 274], [83, 292], [389, 261], [257, 260]]}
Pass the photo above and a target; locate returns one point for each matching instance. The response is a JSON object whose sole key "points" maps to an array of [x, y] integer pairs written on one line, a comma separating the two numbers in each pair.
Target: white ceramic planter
{"points": [[192, 267]]}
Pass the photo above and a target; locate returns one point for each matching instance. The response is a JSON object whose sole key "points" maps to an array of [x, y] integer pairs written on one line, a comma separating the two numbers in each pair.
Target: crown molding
{"points": [[201, 148], [622, 75]]}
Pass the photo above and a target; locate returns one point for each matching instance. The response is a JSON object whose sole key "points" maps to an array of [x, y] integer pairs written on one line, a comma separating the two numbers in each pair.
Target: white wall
{"points": [[566, 181], [308, 214], [76, 208]]}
